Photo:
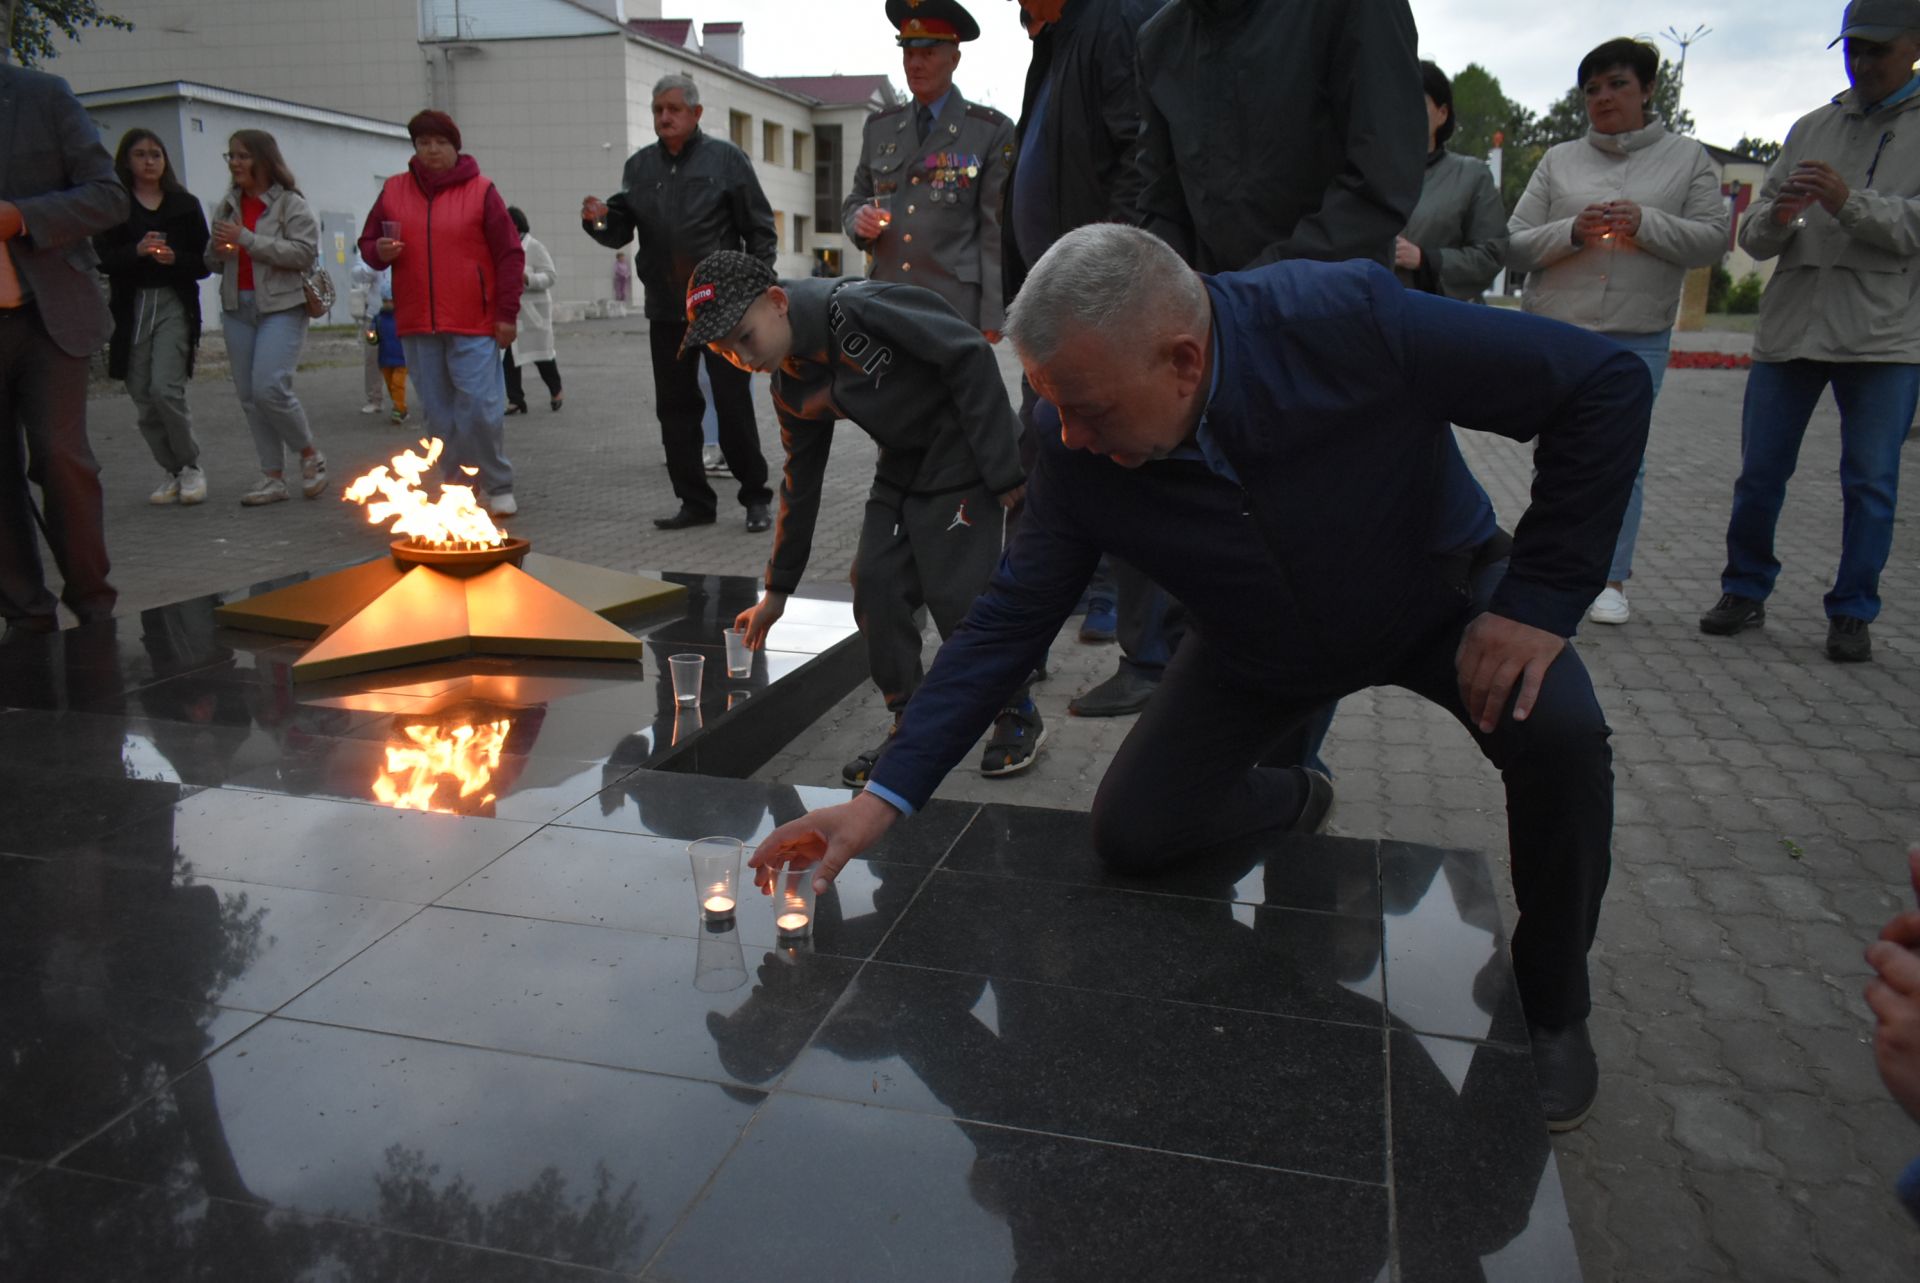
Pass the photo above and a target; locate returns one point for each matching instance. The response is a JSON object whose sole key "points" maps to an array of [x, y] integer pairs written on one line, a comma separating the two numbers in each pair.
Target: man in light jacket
{"points": [[57, 190], [1840, 209]]}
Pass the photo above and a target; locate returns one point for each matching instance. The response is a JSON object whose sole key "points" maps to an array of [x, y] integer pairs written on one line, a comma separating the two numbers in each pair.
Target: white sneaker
{"points": [[712, 459], [193, 486], [313, 474], [502, 505], [166, 492], [371, 407], [1610, 607], [267, 490]]}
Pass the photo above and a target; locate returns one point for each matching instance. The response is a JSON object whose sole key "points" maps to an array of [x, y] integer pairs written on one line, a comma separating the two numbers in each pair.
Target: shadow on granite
{"points": [[262, 1017]]}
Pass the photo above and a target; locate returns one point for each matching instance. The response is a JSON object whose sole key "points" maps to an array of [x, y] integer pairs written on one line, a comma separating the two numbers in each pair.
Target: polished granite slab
{"points": [[257, 1021]]}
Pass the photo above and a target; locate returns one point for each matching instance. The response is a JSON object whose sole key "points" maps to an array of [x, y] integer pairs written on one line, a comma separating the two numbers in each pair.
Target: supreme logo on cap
{"points": [[700, 294]]}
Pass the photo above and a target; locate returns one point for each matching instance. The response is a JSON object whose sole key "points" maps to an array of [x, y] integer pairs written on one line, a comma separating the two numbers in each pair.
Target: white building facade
{"points": [[551, 97]]}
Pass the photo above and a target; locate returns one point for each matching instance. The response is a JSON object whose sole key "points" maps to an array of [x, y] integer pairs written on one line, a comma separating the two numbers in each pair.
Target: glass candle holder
{"points": [[716, 876]]}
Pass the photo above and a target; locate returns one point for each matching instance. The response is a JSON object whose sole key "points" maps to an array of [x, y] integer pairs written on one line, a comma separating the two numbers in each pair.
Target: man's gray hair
{"points": [[682, 82], [1116, 281]]}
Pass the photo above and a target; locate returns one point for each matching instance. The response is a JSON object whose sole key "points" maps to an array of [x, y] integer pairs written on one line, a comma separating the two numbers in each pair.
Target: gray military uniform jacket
{"points": [[945, 234], [913, 375], [1459, 225]]}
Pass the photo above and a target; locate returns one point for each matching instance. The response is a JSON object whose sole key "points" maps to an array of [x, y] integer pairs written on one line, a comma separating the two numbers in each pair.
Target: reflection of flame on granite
{"points": [[465, 756], [454, 584]]}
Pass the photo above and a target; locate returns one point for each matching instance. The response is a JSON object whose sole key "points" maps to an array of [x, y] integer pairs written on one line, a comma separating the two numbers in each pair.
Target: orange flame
{"points": [[463, 757], [454, 520]]}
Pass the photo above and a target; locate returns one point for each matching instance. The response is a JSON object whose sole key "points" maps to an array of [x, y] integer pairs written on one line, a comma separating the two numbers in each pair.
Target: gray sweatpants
{"points": [[264, 349], [157, 379], [936, 551]]}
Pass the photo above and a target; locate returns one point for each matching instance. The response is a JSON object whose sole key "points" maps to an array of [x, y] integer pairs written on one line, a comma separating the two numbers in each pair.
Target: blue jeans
{"points": [[464, 399], [1651, 348], [264, 349], [1876, 403]]}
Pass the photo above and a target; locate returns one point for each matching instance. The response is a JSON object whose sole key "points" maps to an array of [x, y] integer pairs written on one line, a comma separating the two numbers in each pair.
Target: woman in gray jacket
{"points": [[1457, 238], [265, 241], [1606, 230]]}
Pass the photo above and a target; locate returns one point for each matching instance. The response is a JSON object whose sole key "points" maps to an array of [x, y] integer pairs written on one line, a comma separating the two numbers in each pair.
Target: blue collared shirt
{"points": [[1898, 96], [1209, 453], [937, 106]]}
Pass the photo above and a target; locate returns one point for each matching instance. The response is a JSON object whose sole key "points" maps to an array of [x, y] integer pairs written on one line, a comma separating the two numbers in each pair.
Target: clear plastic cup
{"points": [[739, 658], [716, 876], [793, 902], [687, 671]]}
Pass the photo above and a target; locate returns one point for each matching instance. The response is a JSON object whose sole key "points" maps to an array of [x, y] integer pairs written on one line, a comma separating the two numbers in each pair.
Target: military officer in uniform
{"points": [[926, 197]]}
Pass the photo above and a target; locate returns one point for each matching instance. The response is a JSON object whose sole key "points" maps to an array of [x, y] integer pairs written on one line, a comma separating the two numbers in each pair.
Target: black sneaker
{"points": [[1566, 1074], [1123, 693], [1015, 741], [1848, 641], [1733, 613], [855, 773], [684, 518]]}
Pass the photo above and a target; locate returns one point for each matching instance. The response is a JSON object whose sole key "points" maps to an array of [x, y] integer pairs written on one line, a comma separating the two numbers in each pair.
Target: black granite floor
{"points": [[257, 1024]]}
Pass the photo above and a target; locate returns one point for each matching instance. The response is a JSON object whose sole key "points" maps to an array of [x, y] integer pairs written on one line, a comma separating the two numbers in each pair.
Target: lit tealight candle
{"points": [[718, 905], [792, 923]]}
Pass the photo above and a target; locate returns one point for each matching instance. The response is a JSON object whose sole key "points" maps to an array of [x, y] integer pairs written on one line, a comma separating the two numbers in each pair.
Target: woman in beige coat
{"points": [[1606, 230], [265, 241]]}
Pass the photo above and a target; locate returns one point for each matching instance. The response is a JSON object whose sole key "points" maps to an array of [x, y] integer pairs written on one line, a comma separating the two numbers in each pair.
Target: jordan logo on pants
{"points": [[959, 517]]}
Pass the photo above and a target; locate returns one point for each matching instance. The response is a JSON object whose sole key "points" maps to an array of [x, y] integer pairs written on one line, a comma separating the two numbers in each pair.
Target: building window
{"points": [[779, 230], [799, 233], [799, 151], [827, 177], [740, 130], [770, 142]]}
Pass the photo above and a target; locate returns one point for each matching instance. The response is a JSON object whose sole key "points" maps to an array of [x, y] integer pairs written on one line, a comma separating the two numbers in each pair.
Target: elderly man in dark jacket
{"points": [[688, 196], [1274, 446], [57, 189]]}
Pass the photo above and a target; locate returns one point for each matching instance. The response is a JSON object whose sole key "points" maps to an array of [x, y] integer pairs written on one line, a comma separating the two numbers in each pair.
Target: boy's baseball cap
{"points": [[720, 291]]}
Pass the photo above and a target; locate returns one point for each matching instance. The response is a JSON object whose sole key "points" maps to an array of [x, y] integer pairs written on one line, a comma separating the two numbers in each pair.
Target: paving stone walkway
{"points": [[1765, 796]]}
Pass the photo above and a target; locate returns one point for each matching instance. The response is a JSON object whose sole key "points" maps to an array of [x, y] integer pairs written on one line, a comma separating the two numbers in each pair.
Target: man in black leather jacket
{"points": [[685, 197]]}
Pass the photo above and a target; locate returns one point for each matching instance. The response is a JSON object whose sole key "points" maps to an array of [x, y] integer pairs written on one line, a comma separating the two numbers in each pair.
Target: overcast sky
{"points": [[1763, 66]]}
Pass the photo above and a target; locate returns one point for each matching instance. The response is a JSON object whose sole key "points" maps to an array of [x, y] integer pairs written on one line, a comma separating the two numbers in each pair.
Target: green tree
{"points": [[1761, 151], [33, 22]]}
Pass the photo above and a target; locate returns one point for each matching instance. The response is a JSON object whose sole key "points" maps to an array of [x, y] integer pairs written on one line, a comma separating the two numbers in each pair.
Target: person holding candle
{"points": [[154, 263], [458, 274], [57, 189], [1271, 446], [1606, 230], [923, 383], [1840, 213], [1457, 238], [265, 241]]}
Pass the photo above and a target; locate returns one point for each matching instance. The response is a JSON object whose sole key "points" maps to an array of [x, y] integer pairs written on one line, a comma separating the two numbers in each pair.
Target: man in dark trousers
{"points": [[685, 197], [1078, 162], [1272, 446], [924, 384], [57, 190], [1331, 171]]}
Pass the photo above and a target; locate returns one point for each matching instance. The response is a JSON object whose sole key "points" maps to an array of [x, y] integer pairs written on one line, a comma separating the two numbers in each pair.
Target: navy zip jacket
{"points": [[1327, 565]]}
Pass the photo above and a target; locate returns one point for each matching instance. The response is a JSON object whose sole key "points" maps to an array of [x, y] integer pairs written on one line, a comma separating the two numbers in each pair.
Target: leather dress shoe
{"points": [[1124, 692], [1566, 1072], [684, 518], [757, 518]]}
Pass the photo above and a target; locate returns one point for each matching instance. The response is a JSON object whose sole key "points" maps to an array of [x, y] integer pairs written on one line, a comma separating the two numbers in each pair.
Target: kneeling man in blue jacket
{"points": [[1272, 447]]}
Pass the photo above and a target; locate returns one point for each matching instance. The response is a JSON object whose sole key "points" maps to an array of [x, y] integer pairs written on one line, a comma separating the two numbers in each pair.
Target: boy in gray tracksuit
{"points": [[924, 384]]}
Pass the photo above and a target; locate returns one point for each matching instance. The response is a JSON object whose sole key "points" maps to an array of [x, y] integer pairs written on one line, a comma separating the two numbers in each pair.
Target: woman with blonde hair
{"points": [[265, 241]]}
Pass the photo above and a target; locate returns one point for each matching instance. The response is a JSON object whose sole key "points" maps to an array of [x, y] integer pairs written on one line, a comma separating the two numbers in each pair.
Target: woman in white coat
{"points": [[534, 346], [1606, 230]]}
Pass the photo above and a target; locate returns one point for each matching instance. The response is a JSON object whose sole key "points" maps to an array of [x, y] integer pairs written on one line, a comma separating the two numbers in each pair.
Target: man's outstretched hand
{"points": [[1495, 652], [826, 839]]}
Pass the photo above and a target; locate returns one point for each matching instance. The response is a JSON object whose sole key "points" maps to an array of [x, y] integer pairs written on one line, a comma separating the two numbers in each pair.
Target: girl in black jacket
{"points": [[154, 262]]}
